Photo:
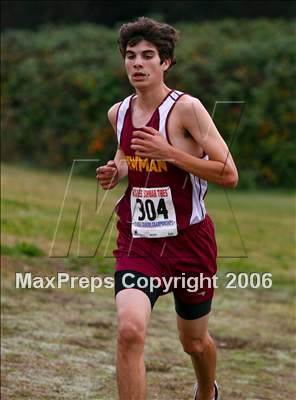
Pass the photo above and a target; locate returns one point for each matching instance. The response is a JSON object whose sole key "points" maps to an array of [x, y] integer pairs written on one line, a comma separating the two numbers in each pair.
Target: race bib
{"points": [[153, 213]]}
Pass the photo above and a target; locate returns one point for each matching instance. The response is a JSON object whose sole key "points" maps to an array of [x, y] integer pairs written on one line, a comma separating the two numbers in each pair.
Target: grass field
{"points": [[60, 343]]}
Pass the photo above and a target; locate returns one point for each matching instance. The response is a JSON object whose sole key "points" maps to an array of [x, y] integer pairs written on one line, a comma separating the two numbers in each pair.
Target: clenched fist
{"points": [[107, 175]]}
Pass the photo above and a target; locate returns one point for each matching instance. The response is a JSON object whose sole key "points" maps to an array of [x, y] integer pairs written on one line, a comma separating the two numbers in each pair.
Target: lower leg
{"points": [[131, 374], [133, 311], [204, 363]]}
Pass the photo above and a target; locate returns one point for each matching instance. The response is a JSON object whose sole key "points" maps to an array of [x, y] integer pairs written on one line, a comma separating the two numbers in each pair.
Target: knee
{"points": [[130, 335], [195, 346]]}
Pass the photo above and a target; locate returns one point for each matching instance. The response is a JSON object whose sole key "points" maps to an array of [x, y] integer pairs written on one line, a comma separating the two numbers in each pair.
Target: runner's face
{"points": [[142, 64]]}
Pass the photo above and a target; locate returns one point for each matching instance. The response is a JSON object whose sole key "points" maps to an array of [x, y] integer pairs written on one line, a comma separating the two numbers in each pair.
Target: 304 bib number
{"points": [[153, 213], [147, 209]]}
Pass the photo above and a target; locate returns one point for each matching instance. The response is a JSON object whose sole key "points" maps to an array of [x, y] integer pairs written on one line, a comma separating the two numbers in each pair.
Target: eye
{"points": [[148, 56], [130, 56]]}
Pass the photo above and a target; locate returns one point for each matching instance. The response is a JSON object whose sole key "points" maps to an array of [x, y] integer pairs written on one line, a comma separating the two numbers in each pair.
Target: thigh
{"points": [[192, 311], [195, 264], [133, 308], [193, 329]]}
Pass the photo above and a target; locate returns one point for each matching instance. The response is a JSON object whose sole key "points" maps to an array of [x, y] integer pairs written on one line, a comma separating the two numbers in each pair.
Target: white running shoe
{"points": [[217, 396]]}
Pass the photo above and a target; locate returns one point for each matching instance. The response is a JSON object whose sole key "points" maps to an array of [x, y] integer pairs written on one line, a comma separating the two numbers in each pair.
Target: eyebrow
{"points": [[144, 51]]}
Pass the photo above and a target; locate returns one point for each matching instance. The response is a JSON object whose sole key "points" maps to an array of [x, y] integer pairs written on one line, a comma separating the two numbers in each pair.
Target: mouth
{"points": [[139, 75]]}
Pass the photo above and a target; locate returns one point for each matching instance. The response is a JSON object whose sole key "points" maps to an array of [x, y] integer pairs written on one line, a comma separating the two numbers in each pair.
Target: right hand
{"points": [[107, 175]]}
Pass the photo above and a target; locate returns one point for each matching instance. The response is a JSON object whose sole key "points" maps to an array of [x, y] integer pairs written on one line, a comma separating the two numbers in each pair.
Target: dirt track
{"points": [[60, 343]]}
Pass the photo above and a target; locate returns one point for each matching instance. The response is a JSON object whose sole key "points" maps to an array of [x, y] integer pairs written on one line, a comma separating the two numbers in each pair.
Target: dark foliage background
{"points": [[58, 83], [31, 13]]}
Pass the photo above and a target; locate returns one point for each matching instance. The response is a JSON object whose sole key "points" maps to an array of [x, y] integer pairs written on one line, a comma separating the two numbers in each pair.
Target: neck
{"points": [[149, 98]]}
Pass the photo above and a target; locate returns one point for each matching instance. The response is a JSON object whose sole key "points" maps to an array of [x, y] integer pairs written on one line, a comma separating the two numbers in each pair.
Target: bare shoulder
{"points": [[187, 103], [112, 113], [190, 109]]}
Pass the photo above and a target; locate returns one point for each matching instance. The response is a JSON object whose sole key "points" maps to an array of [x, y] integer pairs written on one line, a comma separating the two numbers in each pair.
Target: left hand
{"points": [[149, 143]]}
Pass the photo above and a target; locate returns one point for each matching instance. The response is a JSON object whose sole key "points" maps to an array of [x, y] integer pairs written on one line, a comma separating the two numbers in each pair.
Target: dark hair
{"points": [[163, 36]]}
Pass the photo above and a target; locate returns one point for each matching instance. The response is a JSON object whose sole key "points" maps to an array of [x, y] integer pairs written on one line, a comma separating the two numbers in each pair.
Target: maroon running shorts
{"points": [[191, 254]]}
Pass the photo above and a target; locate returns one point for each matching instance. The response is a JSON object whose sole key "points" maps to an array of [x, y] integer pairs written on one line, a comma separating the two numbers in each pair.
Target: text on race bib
{"points": [[153, 213]]}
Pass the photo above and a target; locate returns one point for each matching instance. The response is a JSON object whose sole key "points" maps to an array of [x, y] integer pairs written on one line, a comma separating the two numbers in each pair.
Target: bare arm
{"points": [[219, 169], [119, 158], [121, 164], [110, 174]]}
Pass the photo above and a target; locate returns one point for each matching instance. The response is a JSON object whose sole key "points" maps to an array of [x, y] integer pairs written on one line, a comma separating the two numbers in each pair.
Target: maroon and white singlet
{"points": [[163, 225]]}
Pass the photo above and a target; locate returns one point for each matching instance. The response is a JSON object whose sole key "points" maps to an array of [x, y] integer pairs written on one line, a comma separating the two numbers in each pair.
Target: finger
{"points": [[150, 130], [142, 135], [108, 173], [106, 181], [100, 170], [108, 186], [141, 154], [141, 142], [103, 170], [111, 163], [109, 168], [103, 179], [138, 147]]}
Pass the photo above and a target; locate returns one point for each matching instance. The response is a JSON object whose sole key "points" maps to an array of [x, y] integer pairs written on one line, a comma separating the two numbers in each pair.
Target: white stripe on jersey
{"points": [[121, 115], [199, 186], [165, 108]]}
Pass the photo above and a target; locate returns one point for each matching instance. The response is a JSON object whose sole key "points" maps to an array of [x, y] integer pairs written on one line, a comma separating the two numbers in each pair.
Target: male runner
{"points": [[169, 147]]}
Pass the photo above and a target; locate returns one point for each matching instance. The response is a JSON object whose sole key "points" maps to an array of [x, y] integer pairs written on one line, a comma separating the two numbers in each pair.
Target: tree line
{"points": [[58, 83], [30, 14]]}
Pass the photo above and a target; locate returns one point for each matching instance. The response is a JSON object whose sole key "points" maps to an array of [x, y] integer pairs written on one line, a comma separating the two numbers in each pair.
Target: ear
{"points": [[166, 64]]}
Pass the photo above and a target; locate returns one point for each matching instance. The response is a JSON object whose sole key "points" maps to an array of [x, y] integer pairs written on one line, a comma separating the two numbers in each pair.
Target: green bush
{"points": [[22, 248], [58, 83]]}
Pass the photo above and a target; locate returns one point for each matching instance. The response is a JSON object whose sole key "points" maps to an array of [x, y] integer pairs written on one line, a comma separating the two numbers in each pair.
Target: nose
{"points": [[137, 62]]}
